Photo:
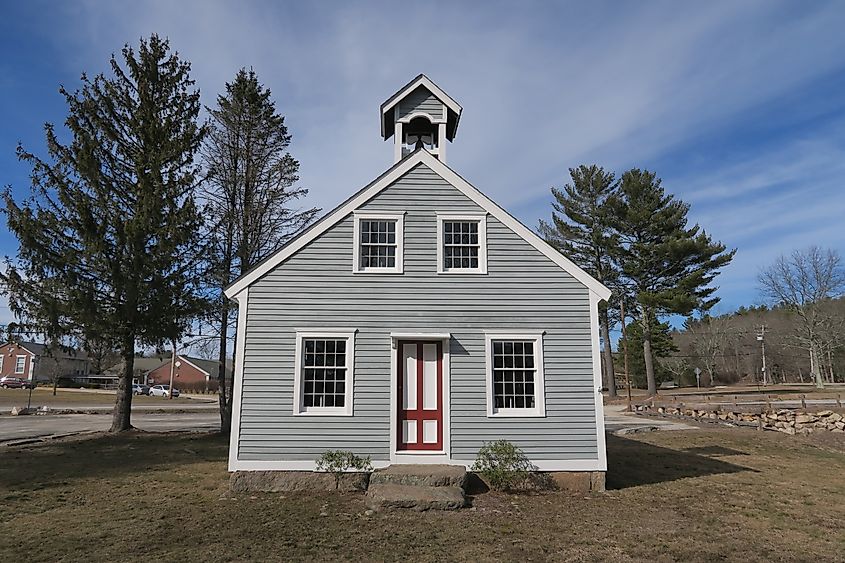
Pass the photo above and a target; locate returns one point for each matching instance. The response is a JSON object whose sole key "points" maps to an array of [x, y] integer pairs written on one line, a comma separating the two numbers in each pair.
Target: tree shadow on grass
{"points": [[132, 453], [632, 463]]}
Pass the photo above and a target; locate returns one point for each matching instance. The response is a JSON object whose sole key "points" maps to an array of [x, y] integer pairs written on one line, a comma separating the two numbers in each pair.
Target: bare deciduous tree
{"points": [[805, 282]]}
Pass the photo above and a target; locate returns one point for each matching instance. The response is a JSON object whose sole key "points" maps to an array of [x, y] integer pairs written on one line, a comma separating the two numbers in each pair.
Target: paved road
{"points": [[616, 419], [20, 427]]}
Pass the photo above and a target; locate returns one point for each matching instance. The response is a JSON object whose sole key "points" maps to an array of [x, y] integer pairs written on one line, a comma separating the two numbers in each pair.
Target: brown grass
{"points": [[70, 399], [704, 495]]}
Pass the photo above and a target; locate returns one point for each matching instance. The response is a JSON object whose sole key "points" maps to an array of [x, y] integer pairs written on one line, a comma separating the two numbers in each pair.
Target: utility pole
{"points": [[625, 351], [761, 336], [172, 368]]}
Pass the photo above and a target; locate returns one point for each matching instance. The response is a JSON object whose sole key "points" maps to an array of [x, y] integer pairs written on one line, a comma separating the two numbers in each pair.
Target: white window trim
{"points": [[356, 242], [298, 408], [539, 410], [23, 368], [481, 218]]}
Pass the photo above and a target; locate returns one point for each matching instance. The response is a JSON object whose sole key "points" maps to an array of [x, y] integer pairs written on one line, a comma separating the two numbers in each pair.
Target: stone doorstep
{"points": [[389, 495], [421, 475]]}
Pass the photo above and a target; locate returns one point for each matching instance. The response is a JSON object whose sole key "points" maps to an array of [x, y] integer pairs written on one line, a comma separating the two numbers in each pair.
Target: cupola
{"points": [[420, 115]]}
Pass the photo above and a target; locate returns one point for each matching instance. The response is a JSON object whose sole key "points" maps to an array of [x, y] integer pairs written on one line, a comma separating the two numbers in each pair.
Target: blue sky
{"points": [[738, 106]]}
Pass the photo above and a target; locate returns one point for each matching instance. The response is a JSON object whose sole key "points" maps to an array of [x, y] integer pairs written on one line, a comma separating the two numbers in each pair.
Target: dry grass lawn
{"points": [[69, 399], [704, 495]]}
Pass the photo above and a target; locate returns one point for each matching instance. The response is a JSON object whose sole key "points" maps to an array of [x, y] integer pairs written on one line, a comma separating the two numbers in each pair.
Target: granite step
{"points": [[421, 475], [389, 495]]}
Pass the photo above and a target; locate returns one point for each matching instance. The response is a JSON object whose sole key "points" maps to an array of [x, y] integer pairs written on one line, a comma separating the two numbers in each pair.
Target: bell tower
{"points": [[420, 115]]}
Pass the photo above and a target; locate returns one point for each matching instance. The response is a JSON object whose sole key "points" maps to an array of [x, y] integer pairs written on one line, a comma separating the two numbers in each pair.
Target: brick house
{"points": [[32, 361], [191, 374]]}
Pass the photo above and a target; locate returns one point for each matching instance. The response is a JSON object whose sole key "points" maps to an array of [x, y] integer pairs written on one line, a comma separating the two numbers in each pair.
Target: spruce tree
{"points": [[108, 237], [667, 266], [248, 198], [582, 230]]}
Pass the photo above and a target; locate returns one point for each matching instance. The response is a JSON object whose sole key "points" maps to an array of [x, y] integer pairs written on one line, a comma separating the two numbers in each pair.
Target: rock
{"points": [[840, 425], [788, 430], [280, 481], [825, 413], [421, 475], [804, 418], [389, 495], [834, 417], [368, 512], [18, 411]]}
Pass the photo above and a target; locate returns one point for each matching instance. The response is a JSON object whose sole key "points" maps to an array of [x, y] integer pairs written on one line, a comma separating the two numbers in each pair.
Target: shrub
{"points": [[337, 462], [503, 465]]}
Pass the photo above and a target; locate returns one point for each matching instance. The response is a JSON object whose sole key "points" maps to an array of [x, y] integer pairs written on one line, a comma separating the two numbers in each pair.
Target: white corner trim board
{"points": [[397, 171], [599, 398], [238, 379]]}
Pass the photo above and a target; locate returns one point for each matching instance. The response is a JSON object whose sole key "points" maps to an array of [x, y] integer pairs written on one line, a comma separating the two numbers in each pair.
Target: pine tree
{"points": [[108, 236], [582, 230], [252, 184], [665, 265]]}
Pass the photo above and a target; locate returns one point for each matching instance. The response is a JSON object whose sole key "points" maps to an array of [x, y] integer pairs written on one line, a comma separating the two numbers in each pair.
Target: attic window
{"points": [[378, 244], [461, 244]]}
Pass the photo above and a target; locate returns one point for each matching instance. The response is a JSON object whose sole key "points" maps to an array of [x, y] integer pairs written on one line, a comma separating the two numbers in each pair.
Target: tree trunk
{"points": [[55, 385], [649, 362], [814, 367], [222, 392], [609, 374], [121, 420]]}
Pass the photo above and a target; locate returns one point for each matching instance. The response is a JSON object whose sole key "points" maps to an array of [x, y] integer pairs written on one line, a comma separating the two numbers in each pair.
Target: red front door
{"points": [[420, 395]]}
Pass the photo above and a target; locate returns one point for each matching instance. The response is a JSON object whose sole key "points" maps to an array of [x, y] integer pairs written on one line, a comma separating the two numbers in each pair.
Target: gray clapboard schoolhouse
{"points": [[415, 322]]}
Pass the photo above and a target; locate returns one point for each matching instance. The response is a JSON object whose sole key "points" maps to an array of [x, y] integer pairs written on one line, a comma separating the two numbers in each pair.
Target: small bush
{"points": [[503, 465], [338, 462]]}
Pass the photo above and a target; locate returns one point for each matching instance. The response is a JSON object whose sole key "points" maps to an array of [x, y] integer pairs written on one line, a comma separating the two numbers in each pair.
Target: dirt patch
{"points": [[698, 495]]}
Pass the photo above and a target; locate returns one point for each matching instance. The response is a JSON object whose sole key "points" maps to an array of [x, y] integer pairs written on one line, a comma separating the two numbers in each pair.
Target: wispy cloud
{"points": [[544, 88]]}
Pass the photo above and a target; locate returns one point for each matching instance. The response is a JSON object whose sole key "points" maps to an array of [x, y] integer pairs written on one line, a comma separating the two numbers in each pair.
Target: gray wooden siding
{"points": [[523, 291], [421, 100]]}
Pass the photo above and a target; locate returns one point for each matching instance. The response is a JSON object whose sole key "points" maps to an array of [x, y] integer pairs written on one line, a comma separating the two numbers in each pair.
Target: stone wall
{"points": [[788, 421]]}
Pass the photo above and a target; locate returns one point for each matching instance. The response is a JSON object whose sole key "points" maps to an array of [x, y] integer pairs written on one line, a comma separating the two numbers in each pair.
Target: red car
{"points": [[13, 383]]}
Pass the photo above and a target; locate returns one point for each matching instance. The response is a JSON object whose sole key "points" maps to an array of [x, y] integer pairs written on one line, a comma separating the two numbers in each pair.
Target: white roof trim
{"points": [[400, 169], [189, 362]]}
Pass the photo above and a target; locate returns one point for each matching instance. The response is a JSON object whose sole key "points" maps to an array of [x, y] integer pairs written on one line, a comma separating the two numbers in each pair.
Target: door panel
{"points": [[420, 386]]}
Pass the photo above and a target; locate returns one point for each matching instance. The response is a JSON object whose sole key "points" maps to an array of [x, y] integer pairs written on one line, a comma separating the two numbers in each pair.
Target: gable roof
{"points": [[453, 108], [62, 352], [420, 156]]}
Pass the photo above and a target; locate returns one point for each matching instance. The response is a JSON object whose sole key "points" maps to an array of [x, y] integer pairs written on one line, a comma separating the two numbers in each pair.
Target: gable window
{"points": [[378, 242], [462, 244], [515, 385], [20, 364], [323, 375]]}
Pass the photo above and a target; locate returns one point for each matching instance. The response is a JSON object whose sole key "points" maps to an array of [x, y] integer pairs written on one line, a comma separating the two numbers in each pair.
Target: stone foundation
{"points": [[286, 481], [579, 481]]}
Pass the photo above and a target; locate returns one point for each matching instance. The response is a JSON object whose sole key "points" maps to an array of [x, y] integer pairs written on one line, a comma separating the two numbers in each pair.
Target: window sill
{"points": [[377, 271], [517, 413], [470, 271], [323, 413]]}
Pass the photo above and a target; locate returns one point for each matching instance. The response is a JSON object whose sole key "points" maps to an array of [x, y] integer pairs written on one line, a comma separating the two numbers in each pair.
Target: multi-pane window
{"points": [[378, 243], [515, 375], [324, 372], [460, 245], [20, 364], [323, 382]]}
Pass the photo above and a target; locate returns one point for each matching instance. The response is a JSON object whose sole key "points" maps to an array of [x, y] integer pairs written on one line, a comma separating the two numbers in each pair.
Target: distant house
{"points": [[190, 374], [31, 360], [415, 322]]}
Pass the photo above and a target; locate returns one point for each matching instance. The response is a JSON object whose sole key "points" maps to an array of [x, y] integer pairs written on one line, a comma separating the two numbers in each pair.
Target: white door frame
{"points": [[420, 457]]}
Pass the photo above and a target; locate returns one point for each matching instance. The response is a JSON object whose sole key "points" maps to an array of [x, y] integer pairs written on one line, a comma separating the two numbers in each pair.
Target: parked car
{"points": [[138, 389], [11, 382], [162, 391], [27, 384]]}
